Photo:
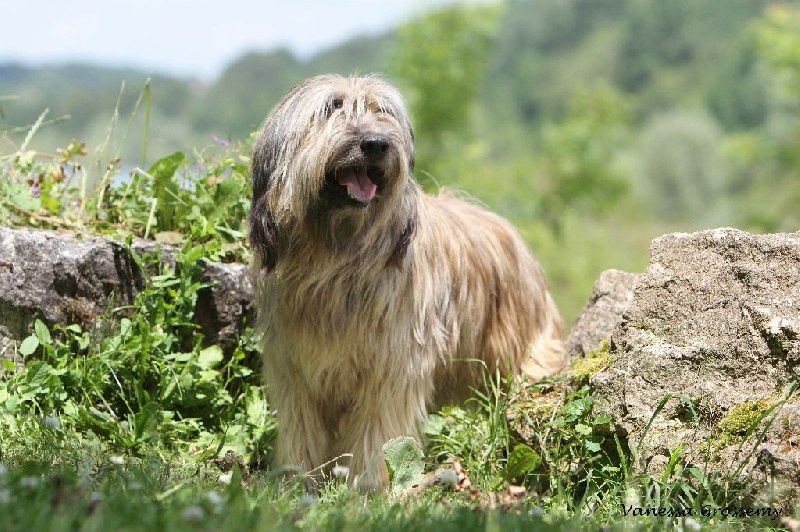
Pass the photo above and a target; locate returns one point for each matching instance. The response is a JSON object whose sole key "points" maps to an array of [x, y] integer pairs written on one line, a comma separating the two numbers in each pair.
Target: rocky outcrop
{"points": [[713, 328], [60, 277]]}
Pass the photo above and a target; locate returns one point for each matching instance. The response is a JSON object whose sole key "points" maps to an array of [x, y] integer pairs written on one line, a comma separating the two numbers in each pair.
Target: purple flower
{"points": [[36, 191], [220, 141]]}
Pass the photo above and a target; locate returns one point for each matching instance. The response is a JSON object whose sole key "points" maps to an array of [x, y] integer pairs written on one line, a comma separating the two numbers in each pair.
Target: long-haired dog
{"points": [[376, 299]]}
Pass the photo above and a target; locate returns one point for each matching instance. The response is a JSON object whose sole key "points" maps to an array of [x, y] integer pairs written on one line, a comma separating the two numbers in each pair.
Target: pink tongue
{"points": [[358, 183]]}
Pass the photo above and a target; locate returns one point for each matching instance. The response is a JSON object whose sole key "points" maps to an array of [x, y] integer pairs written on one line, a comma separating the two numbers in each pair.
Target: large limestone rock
{"points": [[59, 277], [715, 323]]}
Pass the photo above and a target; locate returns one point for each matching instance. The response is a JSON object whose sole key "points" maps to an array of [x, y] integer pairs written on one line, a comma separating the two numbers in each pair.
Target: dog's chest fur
{"points": [[349, 326]]}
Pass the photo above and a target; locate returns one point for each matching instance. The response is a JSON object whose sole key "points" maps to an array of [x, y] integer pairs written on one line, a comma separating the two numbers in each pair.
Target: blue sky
{"points": [[192, 38]]}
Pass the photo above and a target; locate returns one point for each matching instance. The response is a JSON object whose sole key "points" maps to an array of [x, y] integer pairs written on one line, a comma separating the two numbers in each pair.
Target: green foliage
{"points": [[682, 170], [583, 462], [205, 200], [579, 157], [441, 59], [478, 436], [739, 99], [522, 461], [142, 379], [764, 162], [779, 44]]}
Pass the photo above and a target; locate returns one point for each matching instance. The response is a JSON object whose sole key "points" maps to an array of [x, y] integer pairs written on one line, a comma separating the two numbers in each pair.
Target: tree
{"points": [[579, 156], [440, 60], [681, 166]]}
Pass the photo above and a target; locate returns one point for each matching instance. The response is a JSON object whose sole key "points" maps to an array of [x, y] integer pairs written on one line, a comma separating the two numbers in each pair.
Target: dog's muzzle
{"points": [[358, 181]]}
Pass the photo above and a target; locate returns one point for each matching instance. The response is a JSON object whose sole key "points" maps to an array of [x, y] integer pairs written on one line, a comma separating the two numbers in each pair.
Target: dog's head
{"points": [[336, 151]]}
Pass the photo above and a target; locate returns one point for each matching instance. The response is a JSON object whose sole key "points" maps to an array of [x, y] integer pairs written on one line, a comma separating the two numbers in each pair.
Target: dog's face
{"points": [[334, 149]]}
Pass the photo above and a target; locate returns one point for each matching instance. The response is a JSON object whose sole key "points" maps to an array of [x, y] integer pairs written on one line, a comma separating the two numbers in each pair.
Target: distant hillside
{"points": [[662, 54], [183, 111]]}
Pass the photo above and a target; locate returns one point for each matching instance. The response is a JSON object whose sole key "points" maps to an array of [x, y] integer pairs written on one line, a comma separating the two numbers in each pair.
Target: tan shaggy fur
{"points": [[372, 295]]}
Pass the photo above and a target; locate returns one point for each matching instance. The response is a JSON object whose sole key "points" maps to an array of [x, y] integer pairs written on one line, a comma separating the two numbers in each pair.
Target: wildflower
{"points": [[36, 191], [220, 141], [225, 478], [341, 472], [193, 513]]}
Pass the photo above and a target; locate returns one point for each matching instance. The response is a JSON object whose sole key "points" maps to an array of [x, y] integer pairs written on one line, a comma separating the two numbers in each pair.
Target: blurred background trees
{"points": [[595, 125]]}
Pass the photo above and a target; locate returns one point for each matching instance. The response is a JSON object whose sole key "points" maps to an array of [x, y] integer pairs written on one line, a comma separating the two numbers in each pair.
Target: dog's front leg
{"points": [[303, 440], [379, 415]]}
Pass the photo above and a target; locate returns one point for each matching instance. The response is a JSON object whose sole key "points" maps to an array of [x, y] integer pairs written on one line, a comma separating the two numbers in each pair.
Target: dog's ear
{"points": [[401, 247], [263, 227]]}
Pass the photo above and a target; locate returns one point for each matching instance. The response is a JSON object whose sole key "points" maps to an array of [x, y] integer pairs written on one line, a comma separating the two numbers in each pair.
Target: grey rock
{"points": [[61, 277], [714, 321], [611, 297]]}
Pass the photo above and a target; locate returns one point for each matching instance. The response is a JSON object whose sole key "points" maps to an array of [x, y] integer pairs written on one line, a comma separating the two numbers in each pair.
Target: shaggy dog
{"points": [[377, 301]]}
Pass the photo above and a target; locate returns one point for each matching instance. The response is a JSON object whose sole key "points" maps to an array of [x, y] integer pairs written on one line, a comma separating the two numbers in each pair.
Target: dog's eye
{"points": [[381, 110], [334, 104]]}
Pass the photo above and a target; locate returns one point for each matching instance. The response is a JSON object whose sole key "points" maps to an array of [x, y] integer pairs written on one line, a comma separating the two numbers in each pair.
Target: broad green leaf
{"points": [[42, 332], [602, 419], [592, 446], [28, 346], [522, 461], [435, 424], [405, 459], [210, 357], [193, 254], [164, 168]]}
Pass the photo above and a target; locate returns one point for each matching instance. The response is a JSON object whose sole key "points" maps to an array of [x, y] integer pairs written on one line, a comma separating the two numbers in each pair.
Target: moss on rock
{"points": [[583, 369]]}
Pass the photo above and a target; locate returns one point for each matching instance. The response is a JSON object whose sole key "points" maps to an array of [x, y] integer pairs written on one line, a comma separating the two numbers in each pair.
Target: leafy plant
{"points": [[206, 201], [141, 378]]}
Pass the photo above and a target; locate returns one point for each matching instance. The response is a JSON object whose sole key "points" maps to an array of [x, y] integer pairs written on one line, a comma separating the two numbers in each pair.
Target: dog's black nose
{"points": [[374, 145]]}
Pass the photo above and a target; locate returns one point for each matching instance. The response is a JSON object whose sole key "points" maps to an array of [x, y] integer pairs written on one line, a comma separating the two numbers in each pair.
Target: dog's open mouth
{"points": [[354, 185]]}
